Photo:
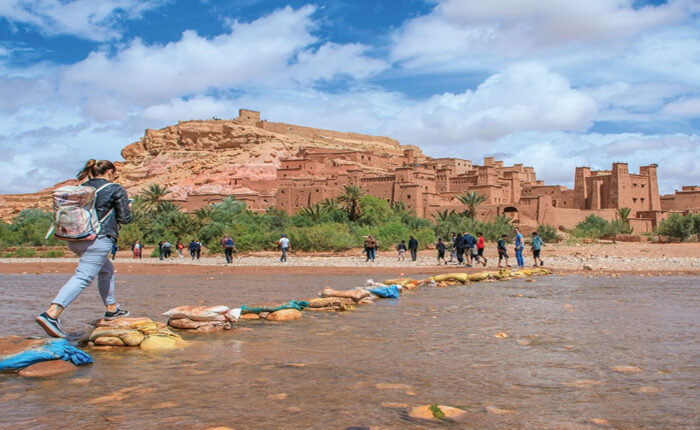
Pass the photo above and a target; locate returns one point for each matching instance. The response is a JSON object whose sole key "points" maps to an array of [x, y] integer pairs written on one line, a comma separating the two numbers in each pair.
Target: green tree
{"points": [[623, 215], [152, 199], [472, 199], [680, 226], [351, 201], [313, 213]]}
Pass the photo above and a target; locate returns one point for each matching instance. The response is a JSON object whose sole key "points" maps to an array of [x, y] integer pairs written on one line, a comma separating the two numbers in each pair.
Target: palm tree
{"points": [[351, 201], [444, 215], [329, 204], [153, 199], [313, 212], [472, 199], [623, 214], [204, 214]]}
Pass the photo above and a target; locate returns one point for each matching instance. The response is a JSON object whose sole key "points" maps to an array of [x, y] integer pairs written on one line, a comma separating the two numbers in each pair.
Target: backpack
{"points": [[75, 214], [229, 243]]}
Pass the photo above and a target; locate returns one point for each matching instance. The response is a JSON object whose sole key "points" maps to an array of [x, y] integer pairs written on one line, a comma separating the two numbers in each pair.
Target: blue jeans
{"points": [[93, 263], [284, 254], [371, 253], [519, 257]]}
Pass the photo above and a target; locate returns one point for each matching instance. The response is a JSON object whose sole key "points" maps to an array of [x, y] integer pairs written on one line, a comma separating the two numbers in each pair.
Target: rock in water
{"points": [[47, 368], [437, 413]]}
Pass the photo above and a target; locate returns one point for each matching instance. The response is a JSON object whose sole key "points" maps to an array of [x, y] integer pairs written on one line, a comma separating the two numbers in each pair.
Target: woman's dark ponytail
{"points": [[95, 168]]}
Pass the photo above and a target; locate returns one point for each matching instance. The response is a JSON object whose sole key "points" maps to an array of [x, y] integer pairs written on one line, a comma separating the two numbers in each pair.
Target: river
{"points": [[625, 350]]}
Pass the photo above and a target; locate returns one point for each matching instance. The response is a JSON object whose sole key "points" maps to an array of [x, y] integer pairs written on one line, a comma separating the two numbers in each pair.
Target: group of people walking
{"points": [[469, 250]]}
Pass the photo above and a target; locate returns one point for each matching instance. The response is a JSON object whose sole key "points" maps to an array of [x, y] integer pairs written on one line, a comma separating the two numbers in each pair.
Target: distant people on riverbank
{"points": [[459, 248], [441, 248], [370, 247], [229, 247], [413, 247], [469, 248], [519, 244], [179, 246], [199, 248], [160, 250], [283, 244], [480, 245], [137, 250], [536, 248], [401, 250], [111, 208], [166, 250], [502, 251], [192, 247], [453, 248]]}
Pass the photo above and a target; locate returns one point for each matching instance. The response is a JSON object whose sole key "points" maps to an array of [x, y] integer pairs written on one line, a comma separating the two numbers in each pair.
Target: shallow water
{"points": [[552, 371]]}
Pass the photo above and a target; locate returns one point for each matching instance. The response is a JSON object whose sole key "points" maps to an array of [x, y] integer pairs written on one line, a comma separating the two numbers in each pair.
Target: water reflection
{"points": [[565, 361]]}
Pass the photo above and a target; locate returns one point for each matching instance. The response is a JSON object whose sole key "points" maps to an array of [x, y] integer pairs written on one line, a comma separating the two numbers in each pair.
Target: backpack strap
{"points": [[111, 210]]}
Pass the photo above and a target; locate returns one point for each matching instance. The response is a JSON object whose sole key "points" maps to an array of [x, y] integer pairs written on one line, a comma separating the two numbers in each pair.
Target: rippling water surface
{"points": [[363, 368]]}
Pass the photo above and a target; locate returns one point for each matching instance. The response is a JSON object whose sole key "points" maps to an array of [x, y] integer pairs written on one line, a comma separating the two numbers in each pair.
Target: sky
{"points": [[553, 84]]}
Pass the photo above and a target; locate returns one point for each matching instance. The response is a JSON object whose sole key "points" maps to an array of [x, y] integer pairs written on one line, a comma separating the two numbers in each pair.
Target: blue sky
{"points": [[550, 83]]}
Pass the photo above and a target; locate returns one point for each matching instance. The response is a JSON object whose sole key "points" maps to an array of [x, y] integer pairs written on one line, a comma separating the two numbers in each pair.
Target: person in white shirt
{"points": [[284, 246]]}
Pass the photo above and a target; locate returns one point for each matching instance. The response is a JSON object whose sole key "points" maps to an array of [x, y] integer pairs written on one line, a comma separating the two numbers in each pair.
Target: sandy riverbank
{"points": [[603, 258]]}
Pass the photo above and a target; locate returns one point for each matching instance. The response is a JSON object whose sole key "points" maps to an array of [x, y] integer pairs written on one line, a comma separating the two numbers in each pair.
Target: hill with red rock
{"points": [[216, 158]]}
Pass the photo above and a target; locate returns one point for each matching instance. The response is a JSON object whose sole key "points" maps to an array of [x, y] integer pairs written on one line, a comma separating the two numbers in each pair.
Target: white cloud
{"points": [[523, 97], [689, 107], [469, 33], [88, 19]]}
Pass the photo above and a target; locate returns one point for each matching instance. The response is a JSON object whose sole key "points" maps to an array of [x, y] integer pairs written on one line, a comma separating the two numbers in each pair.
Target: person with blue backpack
{"points": [[89, 217], [229, 247]]}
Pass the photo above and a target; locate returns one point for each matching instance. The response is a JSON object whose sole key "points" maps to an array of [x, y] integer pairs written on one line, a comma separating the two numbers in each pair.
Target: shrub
{"points": [[593, 227], [324, 237], [680, 226], [548, 233]]}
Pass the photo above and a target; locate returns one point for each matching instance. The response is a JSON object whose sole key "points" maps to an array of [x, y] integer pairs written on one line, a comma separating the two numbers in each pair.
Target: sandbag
{"points": [[481, 276], [160, 343], [400, 281], [109, 340], [198, 313], [211, 328], [461, 277], [356, 295], [368, 300], [323, 302], [110, 332], [122, 322], [17, 352], [186, 323], [284, 315], [390, 292]]}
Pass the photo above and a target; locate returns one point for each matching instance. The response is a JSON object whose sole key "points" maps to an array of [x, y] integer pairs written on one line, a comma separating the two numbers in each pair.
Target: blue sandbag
{"points": [[53, 349], [294, 304], [390, 292]]}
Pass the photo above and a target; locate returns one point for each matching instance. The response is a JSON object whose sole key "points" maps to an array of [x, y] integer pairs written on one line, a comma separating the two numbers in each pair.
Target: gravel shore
{"points": [[681, 258]]}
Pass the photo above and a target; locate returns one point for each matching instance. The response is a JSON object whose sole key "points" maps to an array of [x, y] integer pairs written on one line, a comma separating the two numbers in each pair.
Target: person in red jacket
{"points": [[480, 245]]}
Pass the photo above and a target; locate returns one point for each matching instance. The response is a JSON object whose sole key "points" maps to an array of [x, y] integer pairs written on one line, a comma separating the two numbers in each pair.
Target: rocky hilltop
{"points": [[217, 158]]}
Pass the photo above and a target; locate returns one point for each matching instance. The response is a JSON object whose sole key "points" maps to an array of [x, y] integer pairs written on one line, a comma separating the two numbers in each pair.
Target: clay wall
{"points": [[686, 200]]}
